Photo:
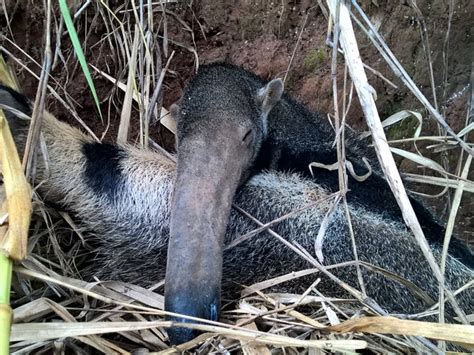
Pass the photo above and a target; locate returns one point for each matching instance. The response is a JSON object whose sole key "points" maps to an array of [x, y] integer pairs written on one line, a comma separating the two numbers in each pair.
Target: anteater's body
{"points": [[126, 197]]}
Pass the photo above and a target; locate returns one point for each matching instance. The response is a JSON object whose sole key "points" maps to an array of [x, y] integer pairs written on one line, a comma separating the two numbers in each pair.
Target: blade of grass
{"points": [[456, 333], [78, 49], [5, 309]]}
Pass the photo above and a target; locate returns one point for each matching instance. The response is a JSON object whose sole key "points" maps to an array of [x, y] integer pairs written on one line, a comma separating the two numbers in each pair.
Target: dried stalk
{"points": [[38, 107], [13, 241]]}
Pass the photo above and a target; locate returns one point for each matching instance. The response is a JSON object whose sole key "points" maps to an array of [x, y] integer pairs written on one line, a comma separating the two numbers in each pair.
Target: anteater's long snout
{"points": [[206, 183], [220, 129]]}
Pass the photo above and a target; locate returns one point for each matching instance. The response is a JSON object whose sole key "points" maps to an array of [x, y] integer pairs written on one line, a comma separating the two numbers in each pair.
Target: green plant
{"points": [[78, 49], [314, 59]]}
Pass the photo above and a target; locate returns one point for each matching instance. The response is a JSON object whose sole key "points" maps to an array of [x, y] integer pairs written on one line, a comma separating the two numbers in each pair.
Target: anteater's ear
{"points": [[175, 112], [270, 94]]}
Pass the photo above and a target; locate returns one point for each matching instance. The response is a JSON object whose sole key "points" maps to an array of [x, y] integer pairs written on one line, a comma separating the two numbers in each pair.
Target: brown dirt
{"points": [[261, 36]]}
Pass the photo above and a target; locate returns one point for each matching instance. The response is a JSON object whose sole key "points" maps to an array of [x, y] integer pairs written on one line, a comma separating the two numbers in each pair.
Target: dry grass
{"points": [[55, 310]]}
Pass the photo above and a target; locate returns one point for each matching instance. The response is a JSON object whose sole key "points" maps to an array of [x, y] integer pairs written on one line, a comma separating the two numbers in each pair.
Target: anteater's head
{"points": [[221, 126]]}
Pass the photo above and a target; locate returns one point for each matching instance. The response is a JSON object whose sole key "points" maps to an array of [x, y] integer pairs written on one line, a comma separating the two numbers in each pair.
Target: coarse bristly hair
{"points": [[122, 195]]}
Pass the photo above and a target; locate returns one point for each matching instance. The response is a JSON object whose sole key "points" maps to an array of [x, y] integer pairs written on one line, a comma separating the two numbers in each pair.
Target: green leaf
{"points": [[78, 49]]}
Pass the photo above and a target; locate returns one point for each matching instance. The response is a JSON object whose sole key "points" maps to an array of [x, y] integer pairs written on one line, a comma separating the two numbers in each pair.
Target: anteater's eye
{"points": [[248, 137]]}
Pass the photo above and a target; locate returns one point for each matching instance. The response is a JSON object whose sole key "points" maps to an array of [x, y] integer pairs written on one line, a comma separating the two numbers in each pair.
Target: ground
{"points": [[274, 39]]}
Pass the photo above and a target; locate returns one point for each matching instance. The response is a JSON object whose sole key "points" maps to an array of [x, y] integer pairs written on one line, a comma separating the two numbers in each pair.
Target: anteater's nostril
{"points": [[214, 311], [181, 335], [193, 304]]}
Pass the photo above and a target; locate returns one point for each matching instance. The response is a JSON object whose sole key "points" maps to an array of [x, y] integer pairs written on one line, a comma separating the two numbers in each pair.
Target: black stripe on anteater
{"points": [[21, 103], [103, 172]]}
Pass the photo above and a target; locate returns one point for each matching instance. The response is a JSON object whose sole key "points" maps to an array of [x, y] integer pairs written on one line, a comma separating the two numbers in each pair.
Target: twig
{"points": [[340, 140], [82, 8], [38, 108], [438, 181], [158, 88], [250, 234], [379, 74], [426, 46], [452, 218], [297, 43], [450, 227], [471, 105], [125, 116]]}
